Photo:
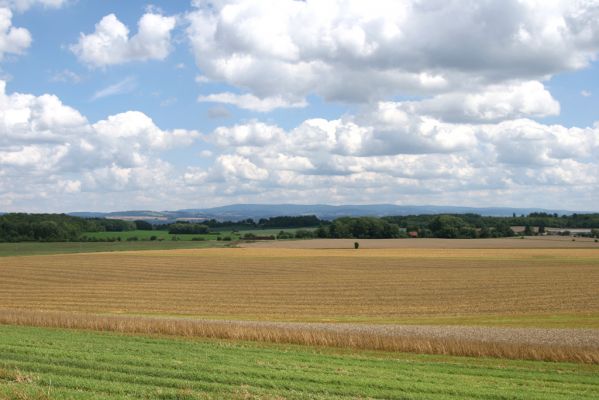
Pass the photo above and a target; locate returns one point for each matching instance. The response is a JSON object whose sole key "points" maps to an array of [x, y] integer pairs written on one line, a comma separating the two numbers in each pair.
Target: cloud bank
{"points": [[477, 75], [356, 51]]}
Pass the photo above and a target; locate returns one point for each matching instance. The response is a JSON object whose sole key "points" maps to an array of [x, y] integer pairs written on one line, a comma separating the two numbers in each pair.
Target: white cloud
{"points": [[110, 43], [251, 102], [390, 153], [495, 103], [251, 134], [358, 51], [139, 131], [66, 75], [12, 39], [24, 5], [50, 149], [127, 85], [586, 93]]}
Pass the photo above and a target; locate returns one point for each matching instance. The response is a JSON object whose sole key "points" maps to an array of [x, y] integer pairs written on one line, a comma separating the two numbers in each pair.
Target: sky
{"points": [[118, 105]]}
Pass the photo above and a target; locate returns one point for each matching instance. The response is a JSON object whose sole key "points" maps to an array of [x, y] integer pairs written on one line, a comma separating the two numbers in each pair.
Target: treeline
{"points": [[300, 221], [575, 221], [21, 227], [360, 228], [454, 226], [187, 228], [425, 226]]}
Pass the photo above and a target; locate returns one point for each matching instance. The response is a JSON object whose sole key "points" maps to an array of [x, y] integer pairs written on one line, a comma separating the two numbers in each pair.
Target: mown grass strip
{"points": [[88, 365]]}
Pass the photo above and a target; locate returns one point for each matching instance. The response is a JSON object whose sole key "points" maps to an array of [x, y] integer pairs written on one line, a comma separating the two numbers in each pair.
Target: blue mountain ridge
{"points": [[236, 212]]}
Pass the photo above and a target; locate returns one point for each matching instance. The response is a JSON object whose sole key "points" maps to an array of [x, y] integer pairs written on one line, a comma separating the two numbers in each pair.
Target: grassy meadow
{"points": [[38, 363], [165, 236], [162, 241]]}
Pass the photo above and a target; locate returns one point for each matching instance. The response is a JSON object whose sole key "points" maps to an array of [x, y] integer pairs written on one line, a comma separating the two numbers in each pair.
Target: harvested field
{"points": [[533, 242], [578, 345], [515, 287]]}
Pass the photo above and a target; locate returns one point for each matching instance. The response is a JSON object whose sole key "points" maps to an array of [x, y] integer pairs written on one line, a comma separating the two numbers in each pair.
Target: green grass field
{"points": [[164, 241], [164, 235], [38, 363], [146, 235]]}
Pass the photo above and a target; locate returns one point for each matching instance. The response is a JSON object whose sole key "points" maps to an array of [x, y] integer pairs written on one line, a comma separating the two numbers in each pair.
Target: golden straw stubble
{"points": [[308, 285]]}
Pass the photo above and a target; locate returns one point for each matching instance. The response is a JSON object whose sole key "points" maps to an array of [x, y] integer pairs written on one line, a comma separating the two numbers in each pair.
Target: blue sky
{"points": [[127, 104]]}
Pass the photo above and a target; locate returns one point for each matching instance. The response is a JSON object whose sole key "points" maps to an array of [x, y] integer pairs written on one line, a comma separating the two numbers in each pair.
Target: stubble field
{"points": [[359, 311], [497, 286], [186, 292]]}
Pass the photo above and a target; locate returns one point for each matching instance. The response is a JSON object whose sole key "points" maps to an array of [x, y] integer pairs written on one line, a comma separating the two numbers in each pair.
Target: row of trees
{"points": [[584, 221], [187, 228], [300, 221], [360, 228], [21, 227], [60, 227], [433, 226]]}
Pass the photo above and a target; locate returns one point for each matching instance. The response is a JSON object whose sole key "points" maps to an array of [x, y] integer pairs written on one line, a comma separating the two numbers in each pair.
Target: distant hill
{"points": [[236, 212]]}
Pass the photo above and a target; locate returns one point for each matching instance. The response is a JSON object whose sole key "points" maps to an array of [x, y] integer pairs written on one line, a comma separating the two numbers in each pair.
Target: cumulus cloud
{"points": [[110, 43], [12, 39], [251, 102], [24, 5], [391, 153], [352, 50], [50, 148], [494, 103], [251, 134]]}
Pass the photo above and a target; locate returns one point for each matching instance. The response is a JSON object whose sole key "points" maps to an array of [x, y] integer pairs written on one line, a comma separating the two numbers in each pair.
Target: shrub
{"points": [[132, 239], [284, 235], [304, 234], [182, 228]]}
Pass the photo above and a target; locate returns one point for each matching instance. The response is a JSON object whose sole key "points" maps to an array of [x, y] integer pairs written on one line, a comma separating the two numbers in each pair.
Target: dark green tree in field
{"points": [[186, 228], [141, 225], [528, 231]]}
